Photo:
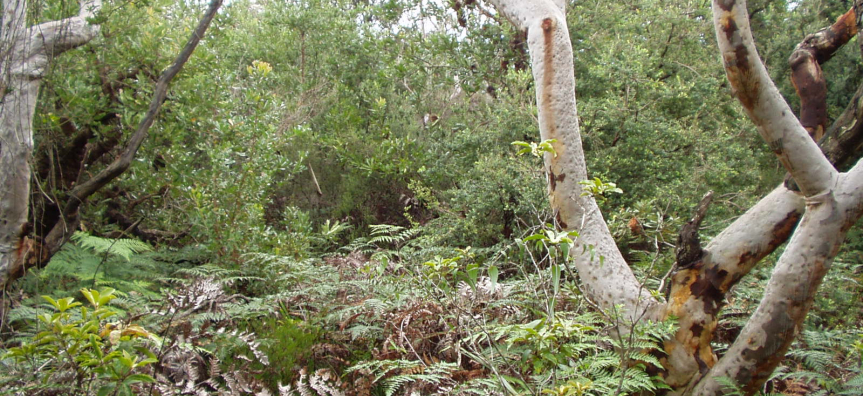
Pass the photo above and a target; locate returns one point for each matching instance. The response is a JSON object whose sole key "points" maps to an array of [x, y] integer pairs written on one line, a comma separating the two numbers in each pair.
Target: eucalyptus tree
{"points": [[25, 52], [812, 211]]}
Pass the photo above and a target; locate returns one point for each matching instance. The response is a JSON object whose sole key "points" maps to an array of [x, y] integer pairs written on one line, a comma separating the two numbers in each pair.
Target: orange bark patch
{"points": [[681, 290], [635, 226], [28, 254]]}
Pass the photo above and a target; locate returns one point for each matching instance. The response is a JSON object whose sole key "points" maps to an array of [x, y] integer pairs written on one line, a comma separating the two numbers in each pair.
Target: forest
{"points": [[433, 197]]}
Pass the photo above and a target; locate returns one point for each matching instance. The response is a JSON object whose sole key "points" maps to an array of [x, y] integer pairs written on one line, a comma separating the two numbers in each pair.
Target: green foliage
{"points": [[597, 188], [124, 264], [825, 353], [384, 130], [569, 348], [536, 149], [445, 273], [78, 351], [392, 375], [105, 351], [288, 346], [386, 242]]}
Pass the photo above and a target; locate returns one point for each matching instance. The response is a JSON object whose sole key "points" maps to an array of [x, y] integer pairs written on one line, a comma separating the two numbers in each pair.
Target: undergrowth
{"points": [[389, 316]]}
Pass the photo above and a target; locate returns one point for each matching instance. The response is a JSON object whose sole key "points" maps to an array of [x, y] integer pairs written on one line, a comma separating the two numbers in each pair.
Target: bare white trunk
{"points": [[607, 277], [24, 55]]}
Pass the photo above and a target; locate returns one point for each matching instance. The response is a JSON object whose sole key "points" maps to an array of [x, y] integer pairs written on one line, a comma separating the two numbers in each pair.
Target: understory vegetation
{"points": [[346, 198]]}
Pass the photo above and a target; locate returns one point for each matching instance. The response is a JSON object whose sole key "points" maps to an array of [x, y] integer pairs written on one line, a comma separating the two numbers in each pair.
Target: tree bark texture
{"points": [[24, 56], [608, 279], [806, 74], [818, 215]]}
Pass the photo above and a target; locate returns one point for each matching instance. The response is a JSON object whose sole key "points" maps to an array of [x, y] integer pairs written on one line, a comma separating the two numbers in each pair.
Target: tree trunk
{"points": [[608, 279], [827, 204], [24, 56]]}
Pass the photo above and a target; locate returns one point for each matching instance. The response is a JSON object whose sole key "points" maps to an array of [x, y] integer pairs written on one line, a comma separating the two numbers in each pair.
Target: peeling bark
{"points": [[827, 204], [606, 275], [24, 56], [806, 74]]}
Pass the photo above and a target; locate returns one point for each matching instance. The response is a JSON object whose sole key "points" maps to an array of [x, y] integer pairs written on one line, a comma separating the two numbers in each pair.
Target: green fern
{"points": [[823, 353], [854, 386], [123, 264], [392, 375], [124, 248], [386, 241]]}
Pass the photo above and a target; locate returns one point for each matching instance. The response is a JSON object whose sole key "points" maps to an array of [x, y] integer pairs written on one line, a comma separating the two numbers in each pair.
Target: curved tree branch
{"points": [[806, 74], [733, 253], [762, 102], [61, 232]]}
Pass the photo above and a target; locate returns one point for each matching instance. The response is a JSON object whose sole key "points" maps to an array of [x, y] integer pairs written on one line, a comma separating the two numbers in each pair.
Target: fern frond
{"points": [[854, 386], [207, 271], [125, 248]]}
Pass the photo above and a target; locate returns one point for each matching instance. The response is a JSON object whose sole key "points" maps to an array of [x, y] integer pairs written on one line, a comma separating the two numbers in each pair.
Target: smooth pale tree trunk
{"points": [[607, 277], [25, 52], [815, 218]]}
